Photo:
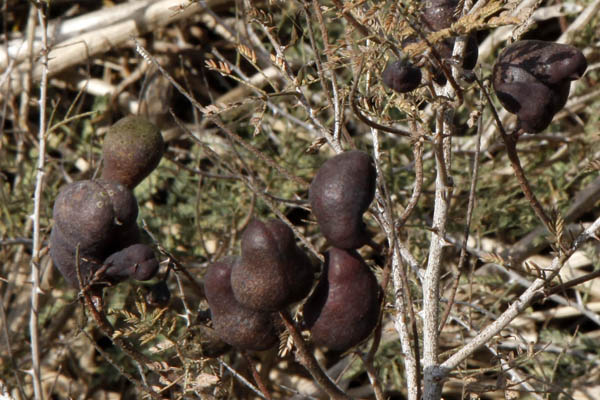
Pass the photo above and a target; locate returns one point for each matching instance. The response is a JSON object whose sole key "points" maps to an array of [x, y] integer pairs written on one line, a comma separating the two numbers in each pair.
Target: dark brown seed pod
{"points": [[548, 62], [132, 149], [532, 80], [273, 272], [439, 14], [401, 77], [339, 195], [235, 324], [343, 309], [97, 216], [136, 261], [531, 101]]}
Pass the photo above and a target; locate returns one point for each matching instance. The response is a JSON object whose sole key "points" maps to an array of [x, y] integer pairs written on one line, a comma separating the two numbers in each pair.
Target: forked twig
{"points": [[517, 306]]}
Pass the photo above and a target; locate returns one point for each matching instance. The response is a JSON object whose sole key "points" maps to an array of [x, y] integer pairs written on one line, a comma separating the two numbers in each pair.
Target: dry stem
{"points": [[39, 187], [532, 292], [308, 361]]}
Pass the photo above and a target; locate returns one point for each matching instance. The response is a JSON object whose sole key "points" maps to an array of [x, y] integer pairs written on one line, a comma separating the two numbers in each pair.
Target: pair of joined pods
{"points": [[273, 272]]}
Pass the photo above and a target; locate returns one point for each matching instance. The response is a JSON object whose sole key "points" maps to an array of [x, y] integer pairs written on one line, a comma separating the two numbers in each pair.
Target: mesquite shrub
{"points": [[374, 199]]}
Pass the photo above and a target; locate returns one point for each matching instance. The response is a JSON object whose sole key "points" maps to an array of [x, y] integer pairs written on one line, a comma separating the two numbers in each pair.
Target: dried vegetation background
{"points": [[268, 91]]}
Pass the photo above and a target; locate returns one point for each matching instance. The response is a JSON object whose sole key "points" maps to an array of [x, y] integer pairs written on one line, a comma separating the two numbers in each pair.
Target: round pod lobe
{"points": [[548, 62], [273, 272], [90, 213], [401, 77], [343, 309], [439, 14], [132, 149], [340, 193], [136, 261], [235, 324], [95, 217], [532, 80], [530, 101]]}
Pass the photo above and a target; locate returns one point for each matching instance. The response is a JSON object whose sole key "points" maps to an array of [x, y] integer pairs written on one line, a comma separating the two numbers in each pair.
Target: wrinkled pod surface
{"points": [[235, 324], [273, 271], [340, 193], [343, 309]]}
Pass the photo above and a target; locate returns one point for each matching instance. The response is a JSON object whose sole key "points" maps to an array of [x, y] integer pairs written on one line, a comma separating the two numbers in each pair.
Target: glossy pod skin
{"points": [[273, 271], [401, 77], [99, 217], [340, 193], [532, 80], [235, 324], [132, 149], [343, 309]]}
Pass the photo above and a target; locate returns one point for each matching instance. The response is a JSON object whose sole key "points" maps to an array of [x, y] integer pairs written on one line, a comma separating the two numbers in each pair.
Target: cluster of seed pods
{"points": [[344, 307], [401, 76], [95, 238], [273, 272], [244, 292], [531, 78]]}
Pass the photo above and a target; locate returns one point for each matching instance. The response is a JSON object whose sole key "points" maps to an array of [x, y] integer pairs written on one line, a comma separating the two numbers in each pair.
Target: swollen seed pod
{"points": [[97, 217], [339, 194], [235, 324], [273, 272], [132, 149], [532, 80], [548, 62], [136, 261], [343, 309], [401, 77], [439, 14]]}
